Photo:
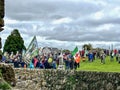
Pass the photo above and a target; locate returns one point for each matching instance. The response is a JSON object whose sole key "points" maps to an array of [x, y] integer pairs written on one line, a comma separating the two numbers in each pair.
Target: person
{"points": [[94, 55], [22, 64], [117, 55], [90, 56], [112, 56], [77, 61], [38, 64], [25, 66], [72, 62], [50, 60], [4, 57], [54, 64], [67, 63], [11, 57], [31, 65], [45, 61], [103, 57], [35, 61], [119, 58], [41, 65], [0, 55], [115, 52], [98, 54]]}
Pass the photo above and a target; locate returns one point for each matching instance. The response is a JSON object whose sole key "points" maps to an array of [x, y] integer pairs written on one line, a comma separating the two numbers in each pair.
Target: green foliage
{"points": [[72, 80], [14, 42], [70, 83], [5, 86], [66, 51], [98, 66], [87, 46]]}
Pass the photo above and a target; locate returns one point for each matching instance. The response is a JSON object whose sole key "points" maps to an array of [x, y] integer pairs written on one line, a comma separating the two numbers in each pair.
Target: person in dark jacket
{"points": [[90, 56]]}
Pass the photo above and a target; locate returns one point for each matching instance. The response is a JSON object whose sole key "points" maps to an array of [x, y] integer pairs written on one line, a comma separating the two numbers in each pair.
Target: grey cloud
{"points": [[66, 32], [91, 22], [39, 15], [39, 10]]}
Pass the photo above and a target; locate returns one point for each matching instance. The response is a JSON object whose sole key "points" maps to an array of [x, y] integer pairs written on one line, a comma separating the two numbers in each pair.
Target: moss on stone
{"points": [[3, 84], [8, 74], [1, 8]]}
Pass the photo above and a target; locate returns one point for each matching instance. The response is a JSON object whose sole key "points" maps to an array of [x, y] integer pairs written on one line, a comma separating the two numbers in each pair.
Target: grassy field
{"points": [[98, 66]]}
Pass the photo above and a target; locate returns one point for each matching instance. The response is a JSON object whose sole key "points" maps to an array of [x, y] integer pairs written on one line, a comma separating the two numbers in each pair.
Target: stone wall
{"points": [[1, 21], [1, 14], [37, 79], [8, 73]]}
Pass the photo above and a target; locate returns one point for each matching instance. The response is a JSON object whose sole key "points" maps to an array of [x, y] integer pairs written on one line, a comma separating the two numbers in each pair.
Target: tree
{"points": [[14, 42], [87, 46], [66, 51]]}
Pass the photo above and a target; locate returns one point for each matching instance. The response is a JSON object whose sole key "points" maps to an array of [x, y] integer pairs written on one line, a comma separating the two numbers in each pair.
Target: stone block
{"points": [[2, 8], [8, 74], [0, 43], [1, 22]]}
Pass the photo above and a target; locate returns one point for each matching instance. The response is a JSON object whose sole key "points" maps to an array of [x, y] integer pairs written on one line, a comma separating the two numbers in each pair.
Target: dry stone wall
{"points": [[1, 22], [1, 14], [8, 73], [36, 79]]}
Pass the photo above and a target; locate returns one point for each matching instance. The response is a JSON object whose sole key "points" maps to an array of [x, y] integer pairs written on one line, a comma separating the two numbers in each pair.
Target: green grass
{"points": [[97, 66]]}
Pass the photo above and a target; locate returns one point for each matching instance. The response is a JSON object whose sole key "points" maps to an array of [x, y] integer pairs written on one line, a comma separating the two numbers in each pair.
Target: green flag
{"points": [[75, 51]]}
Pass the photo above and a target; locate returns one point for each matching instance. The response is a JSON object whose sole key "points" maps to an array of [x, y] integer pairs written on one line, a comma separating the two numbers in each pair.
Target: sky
{"points": [[64, 23]]}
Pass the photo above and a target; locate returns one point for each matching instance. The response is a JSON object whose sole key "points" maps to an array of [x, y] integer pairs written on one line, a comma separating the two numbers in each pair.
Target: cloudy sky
{"points": [[64, 23]]}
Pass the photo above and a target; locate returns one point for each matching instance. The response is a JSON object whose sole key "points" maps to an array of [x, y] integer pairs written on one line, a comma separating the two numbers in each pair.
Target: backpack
{"points": [[50, 60]]}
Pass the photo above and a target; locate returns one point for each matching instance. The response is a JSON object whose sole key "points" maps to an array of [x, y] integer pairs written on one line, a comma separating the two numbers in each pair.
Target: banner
{"points": [[23, 52], [75, 51], [32, 50], [33, 45]]}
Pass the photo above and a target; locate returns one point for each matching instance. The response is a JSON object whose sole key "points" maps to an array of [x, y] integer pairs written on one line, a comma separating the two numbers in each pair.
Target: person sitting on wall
{"points": [[11, 57], [50, 60], [35, 61], [31, 65], [41, 65], [4, 57]]}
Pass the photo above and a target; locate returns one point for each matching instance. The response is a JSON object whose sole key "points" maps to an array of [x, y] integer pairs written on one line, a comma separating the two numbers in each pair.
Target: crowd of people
{"points": [[51, 60]]}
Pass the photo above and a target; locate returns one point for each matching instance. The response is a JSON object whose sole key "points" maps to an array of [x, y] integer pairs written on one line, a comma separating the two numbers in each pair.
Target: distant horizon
{"points": [[95, 44]]}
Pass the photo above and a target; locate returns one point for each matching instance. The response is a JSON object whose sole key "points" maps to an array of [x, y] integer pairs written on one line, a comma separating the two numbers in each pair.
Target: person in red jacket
{"points": [[35, 61], [77, 61]]}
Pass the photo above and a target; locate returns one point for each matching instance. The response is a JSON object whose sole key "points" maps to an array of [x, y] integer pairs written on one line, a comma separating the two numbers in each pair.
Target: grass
{"points": [[96, 65]]}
